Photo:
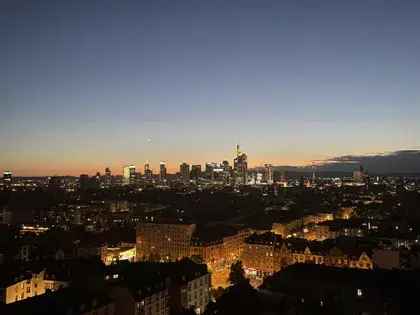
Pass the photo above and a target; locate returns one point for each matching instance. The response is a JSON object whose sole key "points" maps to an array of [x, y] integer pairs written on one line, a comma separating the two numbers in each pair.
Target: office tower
{"points": [[209, 170], [148, 173], [359, 176], [107, 180], [195, 171], [184, 169], [129, 174], [268, 173], [162, 172], [7, 178], [227, 172], [240, 167]]}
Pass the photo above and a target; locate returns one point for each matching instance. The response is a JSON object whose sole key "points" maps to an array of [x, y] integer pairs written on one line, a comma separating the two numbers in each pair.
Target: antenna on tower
{"points": [[238, 152]]}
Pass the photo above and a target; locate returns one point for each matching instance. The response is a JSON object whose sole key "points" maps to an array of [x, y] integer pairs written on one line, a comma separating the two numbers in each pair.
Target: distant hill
{"points": [[398, 162]]}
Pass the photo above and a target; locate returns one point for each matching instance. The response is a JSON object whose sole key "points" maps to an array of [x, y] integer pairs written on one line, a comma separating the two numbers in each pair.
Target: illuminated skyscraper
{"points": [[7, 178], [195, 171], [129, 174], [360, 175], [147, 171], [162, 172], [184, 169], [210, 170], [240, 167], [268, 173], [107, 179]]}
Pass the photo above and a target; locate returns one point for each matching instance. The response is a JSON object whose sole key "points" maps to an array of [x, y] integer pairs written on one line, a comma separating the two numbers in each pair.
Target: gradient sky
{"points": [[84, 84]]}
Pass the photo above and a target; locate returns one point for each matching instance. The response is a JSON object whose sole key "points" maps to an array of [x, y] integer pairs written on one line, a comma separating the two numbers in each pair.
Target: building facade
{"points": [[167, 242]]}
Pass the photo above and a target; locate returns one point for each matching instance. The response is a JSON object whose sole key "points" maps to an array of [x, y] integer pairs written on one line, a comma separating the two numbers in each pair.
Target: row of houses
{"points": [[265, 254]]}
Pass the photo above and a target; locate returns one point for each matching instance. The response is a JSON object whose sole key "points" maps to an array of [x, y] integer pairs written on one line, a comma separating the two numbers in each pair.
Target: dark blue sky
{"points": [[88, 84]]}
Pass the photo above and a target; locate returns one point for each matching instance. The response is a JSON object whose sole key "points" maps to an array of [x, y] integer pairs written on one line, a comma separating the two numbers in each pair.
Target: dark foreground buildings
{"points": [[122, 289]]}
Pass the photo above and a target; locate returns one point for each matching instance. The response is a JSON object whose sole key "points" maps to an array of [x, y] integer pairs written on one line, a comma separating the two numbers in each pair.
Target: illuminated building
{"points": [[140, 297], [359, 176], [268, 174], [22, 286], [7, 178], [227, 172], [147, 172], [159, 288], [129, 174], [107, 180], [110, 255], [184, 169], [209, 170], [162, 172], [267, 253], [218, 245], [289, 226], [240, 167], [195, 172], [32, 229], [19, 286], [161, 241], [263, 255]]}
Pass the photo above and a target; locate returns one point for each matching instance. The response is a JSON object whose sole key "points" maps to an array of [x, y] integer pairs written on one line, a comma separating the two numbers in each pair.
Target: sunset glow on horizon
{"points": [[92, 84]]}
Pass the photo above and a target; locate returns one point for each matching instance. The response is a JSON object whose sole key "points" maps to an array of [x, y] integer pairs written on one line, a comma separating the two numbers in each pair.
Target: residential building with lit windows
{"points": [[158, 288], [267, 253], [163, 241]]}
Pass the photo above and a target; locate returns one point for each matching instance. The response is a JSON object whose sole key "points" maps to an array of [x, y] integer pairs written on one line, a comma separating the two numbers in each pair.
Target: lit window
{"points": [[359, 292]]}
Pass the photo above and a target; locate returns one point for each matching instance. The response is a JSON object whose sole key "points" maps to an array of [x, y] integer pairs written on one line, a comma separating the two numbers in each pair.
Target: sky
{"points": [[88, 84]]}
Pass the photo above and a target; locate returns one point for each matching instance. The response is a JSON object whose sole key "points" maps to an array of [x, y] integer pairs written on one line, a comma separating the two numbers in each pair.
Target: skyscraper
{"points": [[107, 180], [227, 172], [359, 176], [147, 171], [210, 170], [184, 169], [195, 171], [240, 167], [7, 178], [129, 174], [268, 173], [162, 172]]}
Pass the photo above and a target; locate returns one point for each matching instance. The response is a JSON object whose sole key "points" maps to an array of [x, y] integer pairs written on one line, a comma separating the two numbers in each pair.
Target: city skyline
{"points": [[402, 161], [89, 85]]}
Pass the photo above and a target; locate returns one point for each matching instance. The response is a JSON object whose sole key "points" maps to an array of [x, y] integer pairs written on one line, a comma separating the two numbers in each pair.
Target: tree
{"points": [[237, 273]]}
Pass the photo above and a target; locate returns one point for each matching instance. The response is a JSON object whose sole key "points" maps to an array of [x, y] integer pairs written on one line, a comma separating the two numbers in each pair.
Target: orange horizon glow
{"points": [[116, 169]]}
